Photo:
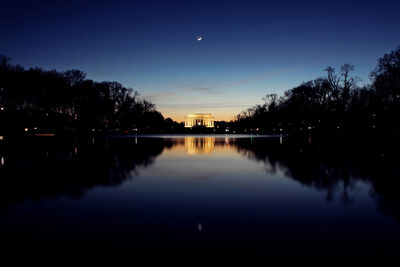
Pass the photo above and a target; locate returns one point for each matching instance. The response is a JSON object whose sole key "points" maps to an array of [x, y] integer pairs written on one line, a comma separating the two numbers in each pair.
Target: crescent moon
{"points": [[199, 38]]}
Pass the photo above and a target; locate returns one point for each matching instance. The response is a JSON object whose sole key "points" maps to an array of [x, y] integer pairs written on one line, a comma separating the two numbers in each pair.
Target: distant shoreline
{"points": [[218, 135]]}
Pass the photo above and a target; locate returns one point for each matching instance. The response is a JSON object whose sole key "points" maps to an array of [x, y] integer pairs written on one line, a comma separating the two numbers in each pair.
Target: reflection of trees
{"points": [[36, 169], [39, 168], [335, 166]]}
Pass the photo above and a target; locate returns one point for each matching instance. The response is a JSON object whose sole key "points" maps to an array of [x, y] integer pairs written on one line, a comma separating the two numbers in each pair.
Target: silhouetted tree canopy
{"points": [[50, 101], [332, 103], [40, 100], [386, 86]]}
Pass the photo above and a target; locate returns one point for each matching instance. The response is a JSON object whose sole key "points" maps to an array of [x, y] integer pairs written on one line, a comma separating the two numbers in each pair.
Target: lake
{"points": [[257, 195]]}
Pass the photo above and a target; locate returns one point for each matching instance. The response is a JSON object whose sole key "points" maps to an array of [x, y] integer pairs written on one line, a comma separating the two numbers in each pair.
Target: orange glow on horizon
{"points": [[179, 116]]}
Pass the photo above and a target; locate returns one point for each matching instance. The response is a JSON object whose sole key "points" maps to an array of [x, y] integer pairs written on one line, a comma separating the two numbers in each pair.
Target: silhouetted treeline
{"points": [[332, 103], [36, 100]]}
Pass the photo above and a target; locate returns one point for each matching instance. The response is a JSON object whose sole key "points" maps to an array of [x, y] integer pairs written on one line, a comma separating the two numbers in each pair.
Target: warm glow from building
{"points": [[204, 145], [199, 120]]}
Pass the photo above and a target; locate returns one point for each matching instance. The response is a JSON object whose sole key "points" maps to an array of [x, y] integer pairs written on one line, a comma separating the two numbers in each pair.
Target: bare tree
{"points": [[271, 101], [349, 83], [341, 86], [74, 77], [4, 60]]}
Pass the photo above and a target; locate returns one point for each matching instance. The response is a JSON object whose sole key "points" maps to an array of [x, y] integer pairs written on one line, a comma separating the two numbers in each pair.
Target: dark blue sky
{"points": [[249, 48]]}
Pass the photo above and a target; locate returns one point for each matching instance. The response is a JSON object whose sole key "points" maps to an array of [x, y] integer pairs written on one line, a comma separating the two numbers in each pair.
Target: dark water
{"points": [[275, 197]]}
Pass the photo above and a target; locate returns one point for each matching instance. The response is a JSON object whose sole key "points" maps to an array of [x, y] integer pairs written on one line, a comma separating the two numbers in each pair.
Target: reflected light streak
{"points": [[204, 145]]}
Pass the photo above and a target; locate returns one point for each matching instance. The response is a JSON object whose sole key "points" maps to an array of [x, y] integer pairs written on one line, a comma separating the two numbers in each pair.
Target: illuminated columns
{"points": [[199, 120]]}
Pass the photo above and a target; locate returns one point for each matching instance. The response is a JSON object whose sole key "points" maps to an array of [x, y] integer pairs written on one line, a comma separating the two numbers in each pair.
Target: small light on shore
{"points": [[26, 129], [1, 108]]}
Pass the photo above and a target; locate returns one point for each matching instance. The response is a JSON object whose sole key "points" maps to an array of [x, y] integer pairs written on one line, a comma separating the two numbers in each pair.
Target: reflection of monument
{"points": [[199, 120], [203, 145]]}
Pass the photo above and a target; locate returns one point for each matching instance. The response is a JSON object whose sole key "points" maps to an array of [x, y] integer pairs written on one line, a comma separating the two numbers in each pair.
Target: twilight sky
{"points": [[248, 48]]}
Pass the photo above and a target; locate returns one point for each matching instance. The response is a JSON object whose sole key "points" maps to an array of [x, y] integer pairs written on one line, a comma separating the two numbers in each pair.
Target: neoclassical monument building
{"points": [[199, 120]]}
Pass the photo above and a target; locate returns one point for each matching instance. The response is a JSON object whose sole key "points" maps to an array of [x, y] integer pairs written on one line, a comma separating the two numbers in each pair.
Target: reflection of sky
{"points": [[229, 181], [152, 47], [235, 199]]}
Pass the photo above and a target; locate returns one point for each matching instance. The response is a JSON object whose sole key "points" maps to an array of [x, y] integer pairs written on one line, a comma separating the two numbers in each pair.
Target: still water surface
{"points": [[267, 195]]}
